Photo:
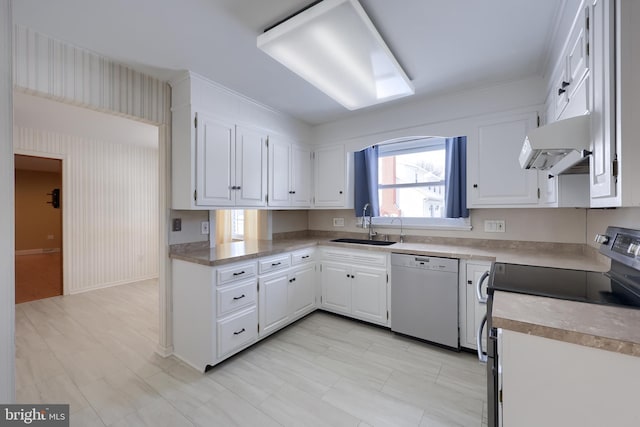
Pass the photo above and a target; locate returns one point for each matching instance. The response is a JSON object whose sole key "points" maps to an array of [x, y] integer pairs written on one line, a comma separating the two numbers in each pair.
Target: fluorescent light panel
{"points": [[334, 46]]}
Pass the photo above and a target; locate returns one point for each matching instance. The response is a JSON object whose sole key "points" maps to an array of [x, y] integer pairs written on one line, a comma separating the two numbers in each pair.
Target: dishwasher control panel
{"points": [[425, 262]]}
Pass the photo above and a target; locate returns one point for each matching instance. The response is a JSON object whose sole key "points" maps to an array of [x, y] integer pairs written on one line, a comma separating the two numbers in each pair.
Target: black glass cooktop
{"points": [[576, 285]]}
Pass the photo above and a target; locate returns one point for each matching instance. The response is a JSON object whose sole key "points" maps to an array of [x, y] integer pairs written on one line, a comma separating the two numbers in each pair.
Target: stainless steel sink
{"points": [[364, 242]]}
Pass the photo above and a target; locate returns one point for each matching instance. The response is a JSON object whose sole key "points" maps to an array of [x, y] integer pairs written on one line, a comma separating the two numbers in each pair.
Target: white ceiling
{"points": [[444, 45]]}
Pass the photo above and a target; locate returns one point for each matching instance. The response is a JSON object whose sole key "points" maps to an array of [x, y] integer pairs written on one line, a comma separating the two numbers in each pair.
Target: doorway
{"points": [[38, 228]]}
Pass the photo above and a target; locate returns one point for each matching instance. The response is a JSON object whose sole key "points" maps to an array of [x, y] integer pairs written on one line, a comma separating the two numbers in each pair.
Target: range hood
{"points": [[560, 147]]}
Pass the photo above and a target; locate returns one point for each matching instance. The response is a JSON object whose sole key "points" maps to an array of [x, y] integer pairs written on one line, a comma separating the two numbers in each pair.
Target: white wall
{"points": [[535, 225], [7, 283], [190, 232], [446, 115], [287, 221], [110, 215]]}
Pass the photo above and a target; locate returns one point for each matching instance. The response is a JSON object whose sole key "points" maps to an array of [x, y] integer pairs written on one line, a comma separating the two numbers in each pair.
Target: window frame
{"points": [[408, 146]]}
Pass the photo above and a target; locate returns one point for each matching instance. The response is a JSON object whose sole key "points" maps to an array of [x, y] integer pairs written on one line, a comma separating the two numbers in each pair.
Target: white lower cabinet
{"points": [[302, 291], [274, 309], [336, 287], [287, 295], [546, 382], [237, 331], [218, 311], [369, 294], [471, 310], [357, 285]]}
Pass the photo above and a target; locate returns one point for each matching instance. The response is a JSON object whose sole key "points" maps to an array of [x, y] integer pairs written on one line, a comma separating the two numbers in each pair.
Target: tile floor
{"points": [[96, 351]]}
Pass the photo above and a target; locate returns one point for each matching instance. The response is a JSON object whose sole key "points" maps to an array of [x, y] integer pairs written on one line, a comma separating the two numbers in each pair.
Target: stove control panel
{"points": [[626, 245]]}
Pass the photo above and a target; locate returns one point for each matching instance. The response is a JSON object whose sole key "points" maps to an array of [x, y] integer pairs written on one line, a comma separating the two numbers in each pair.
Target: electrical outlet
{"points": [[489, 226], [494, 226], [50, 237], [204, 227], [176, 224], [338, 222]]}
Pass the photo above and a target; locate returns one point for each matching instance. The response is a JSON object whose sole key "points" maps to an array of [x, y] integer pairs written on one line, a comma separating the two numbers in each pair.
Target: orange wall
{"points": [[35, 219]]}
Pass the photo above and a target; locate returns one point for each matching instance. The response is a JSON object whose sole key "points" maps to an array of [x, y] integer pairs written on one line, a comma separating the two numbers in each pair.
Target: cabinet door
{"points": [[602, 180], [279, 172], [330, 175], [369, 294], [300, 176], [336, 287], [577, 62], [215, 142], [250, 167], [273, 302], [495, 175], [302, 295], [475, 311]]}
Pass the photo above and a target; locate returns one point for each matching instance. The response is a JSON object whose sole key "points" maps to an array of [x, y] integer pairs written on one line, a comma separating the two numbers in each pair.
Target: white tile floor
{"points": [[96, 351]]}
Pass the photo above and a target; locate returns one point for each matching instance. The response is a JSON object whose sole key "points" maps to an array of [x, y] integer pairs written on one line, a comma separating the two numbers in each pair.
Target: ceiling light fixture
{"points": [[334, 46]]}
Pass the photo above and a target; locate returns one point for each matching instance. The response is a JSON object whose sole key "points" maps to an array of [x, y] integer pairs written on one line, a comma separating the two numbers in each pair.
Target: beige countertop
{"points": [[604, 327], [545, 255]]}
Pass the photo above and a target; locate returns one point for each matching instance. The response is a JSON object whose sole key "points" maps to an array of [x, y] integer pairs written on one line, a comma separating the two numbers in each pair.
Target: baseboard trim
{"points": [[37, 251], [163, 351], [112, 284]]}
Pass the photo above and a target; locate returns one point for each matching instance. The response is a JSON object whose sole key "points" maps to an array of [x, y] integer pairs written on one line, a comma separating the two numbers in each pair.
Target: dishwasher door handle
{"points": [[481, 299], [482, 355]]}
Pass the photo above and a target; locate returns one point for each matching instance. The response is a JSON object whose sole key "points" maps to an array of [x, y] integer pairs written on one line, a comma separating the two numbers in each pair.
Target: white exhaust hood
{"points": [[559, 147]]}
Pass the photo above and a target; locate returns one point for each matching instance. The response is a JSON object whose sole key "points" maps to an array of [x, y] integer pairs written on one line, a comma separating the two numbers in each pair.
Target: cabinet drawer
{"points": [[236, 272], [235, 297], [302, 256], [237, 331], [275, 263]]}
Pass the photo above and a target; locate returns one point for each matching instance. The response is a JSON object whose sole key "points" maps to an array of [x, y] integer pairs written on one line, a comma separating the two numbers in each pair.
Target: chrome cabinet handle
{"points": [[482, 355], [481, 299], [239, 332], [240, 297]]}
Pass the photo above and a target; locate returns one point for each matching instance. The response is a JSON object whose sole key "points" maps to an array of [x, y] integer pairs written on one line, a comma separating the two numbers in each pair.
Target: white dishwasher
{"points": [[424, 298]]}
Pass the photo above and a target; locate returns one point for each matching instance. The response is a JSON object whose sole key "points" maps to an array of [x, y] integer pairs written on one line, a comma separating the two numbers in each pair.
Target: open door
{"points": [[38, 228]]}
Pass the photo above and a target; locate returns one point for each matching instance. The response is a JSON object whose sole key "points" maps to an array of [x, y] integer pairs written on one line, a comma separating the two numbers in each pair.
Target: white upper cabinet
{"points": [[220, 149], [603, 148], [215, 143], [495, 176], [250, 167], [300, 176], [289, 174], [230, 164], [330, 177]]}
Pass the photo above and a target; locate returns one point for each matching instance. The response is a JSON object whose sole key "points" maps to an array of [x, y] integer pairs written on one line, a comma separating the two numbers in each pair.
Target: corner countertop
{"points": [[546, 255], [609, 328]]}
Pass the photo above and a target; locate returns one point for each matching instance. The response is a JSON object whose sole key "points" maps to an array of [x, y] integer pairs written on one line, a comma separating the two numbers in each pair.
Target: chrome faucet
{"points": [[372, 233], [401, 233]]}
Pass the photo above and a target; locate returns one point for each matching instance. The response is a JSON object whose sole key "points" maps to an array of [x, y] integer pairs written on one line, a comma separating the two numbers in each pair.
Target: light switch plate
{"points": [[176, 224], [338, 222]]}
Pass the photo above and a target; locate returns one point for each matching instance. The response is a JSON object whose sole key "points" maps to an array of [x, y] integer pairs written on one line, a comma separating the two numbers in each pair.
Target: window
{"points": [[411, 179], [411, 184], [237, 224]]}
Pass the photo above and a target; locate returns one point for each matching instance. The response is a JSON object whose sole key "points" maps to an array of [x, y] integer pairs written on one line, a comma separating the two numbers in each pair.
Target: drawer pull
{"points": [[305, 256], [239, 273], [239, 332], [274, 264], [240, 297]]}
